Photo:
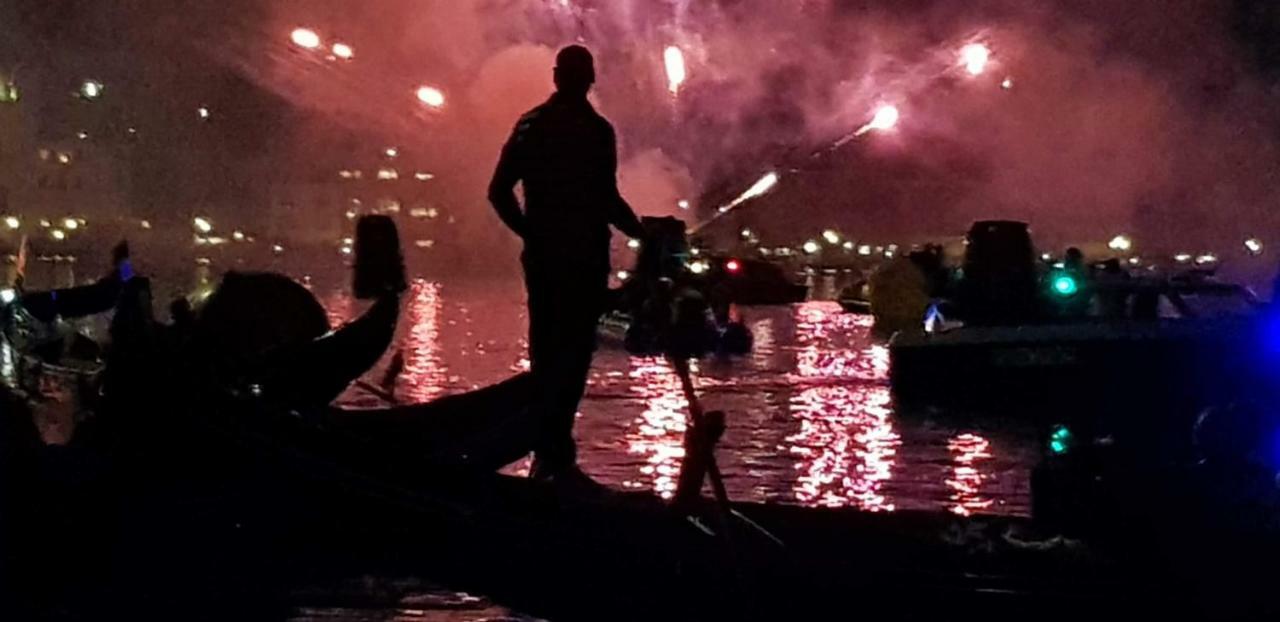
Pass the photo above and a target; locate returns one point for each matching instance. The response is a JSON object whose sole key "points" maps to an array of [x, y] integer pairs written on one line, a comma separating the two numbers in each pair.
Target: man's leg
{"points": [[563, 312], [542, 295], [566, 384]]}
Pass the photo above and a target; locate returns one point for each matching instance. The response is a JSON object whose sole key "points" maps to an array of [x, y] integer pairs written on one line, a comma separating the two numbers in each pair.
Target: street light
{"points": [[91, 89]]}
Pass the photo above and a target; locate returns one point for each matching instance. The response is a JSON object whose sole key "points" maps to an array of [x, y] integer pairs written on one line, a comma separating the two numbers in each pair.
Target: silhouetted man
{"points": [[565, 155]]}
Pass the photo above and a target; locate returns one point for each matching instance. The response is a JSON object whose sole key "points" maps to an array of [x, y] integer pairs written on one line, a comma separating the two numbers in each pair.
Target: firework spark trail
{"points": [[758, 189], [885, 118], [975, 59], [764, 185]]}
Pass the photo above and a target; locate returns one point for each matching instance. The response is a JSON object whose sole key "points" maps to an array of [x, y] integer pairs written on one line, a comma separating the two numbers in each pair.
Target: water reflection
{"points": [[969, 452], [823, 331], [845, 447], [425, 373], [810, 416], [658, 433], [340, 307]]}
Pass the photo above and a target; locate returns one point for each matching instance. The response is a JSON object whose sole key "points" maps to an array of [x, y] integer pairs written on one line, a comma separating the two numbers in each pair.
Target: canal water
{"points": [[810, 416], [810, 422]]}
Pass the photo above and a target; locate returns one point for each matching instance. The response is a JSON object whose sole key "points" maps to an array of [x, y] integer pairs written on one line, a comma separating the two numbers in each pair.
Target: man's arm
{"points": [[502, 188], [620, 213]]}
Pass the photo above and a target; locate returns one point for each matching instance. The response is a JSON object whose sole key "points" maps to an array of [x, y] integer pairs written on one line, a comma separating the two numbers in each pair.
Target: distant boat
{"points": [[1149, 332]]}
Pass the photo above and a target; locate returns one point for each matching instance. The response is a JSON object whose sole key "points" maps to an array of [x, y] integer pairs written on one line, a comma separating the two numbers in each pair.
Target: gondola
{"points": [[344, 493], [634, 555]]}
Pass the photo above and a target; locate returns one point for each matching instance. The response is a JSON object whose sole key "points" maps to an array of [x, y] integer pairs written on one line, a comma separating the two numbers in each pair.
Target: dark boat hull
{"points": [[261, 499], [1147, 364]]}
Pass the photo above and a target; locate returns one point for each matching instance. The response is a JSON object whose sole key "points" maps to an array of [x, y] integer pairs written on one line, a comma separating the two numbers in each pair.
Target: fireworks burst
{"points": [[673, 57], [431, 96], [974, 58], [343, 51], [305, 38]]}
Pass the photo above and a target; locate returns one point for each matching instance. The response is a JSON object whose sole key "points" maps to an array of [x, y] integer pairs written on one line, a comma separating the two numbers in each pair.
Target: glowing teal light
{"points": [[1060, 440], [1065, 285]]}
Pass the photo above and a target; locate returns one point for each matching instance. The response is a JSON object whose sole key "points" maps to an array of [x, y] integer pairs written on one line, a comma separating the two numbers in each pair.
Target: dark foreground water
{"points": [[811, 422]]}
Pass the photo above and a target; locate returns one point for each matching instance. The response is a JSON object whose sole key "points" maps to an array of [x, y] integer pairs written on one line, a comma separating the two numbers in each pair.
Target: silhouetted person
{"points": [[565, 155], [1073, 260]]}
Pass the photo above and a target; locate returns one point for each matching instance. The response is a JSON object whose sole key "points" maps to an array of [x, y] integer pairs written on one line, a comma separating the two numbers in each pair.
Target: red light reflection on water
{"points": [[425, 373], [822, 330], [339, 307], [657, 434], [968, 452], [846, 446]]}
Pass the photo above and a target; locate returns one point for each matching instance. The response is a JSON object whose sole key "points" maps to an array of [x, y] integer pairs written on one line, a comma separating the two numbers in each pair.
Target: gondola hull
{"points": [[264, 499]]}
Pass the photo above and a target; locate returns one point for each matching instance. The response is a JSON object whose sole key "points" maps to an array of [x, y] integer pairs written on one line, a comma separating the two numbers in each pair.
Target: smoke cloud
{"points": [[1145, 116]]}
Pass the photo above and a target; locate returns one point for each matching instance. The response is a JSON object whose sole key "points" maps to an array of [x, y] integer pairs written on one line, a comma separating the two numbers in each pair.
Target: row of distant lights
{"points": [[92, 90], [1123, 244], [204, 228], [831, 237], [385, 173], [62, 157], [1120, 243], [14, 223], [310, 40]]}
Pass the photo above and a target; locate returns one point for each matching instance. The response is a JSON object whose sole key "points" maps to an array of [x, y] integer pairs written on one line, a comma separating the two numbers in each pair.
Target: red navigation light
{"points": [[733, 266]]}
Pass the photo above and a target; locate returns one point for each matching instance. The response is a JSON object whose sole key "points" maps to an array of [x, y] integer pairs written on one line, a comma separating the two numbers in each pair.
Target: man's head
{"points": [[575, 70]]}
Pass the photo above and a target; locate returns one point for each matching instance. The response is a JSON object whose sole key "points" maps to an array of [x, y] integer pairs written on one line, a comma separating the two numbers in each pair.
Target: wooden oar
{"points": [[699, 419]]}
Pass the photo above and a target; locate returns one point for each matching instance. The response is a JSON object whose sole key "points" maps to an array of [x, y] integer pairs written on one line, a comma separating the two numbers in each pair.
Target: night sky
{"points": [[1156, 117]]}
